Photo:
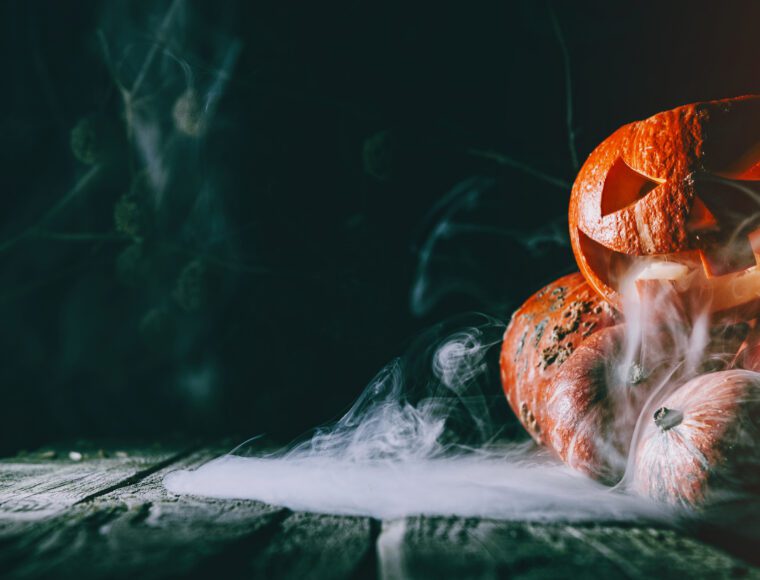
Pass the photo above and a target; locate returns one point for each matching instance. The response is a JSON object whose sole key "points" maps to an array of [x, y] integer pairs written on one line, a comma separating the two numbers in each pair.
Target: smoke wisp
{"points": [[421, 439]]}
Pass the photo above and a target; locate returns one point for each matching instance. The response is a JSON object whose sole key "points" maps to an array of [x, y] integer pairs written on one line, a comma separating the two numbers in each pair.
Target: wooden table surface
{"points": [[102, 512]]}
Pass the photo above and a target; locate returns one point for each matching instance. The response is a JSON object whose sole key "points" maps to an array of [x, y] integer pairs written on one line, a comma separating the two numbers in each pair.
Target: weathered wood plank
{"points": [[44, 483], [318, 546], [471, 548], [111, 517], [137, 530], [142, 530]]}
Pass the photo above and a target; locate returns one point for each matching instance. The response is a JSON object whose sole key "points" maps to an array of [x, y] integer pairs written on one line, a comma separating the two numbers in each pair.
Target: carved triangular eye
{"points": [[700, 218], [746, 167], [724, 218], [752, 174], [624, 186]]}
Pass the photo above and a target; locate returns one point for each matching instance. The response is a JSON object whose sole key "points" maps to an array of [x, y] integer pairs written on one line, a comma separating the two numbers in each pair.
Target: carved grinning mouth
{"points": [[686, 271], [723, 230], [687, 217]]}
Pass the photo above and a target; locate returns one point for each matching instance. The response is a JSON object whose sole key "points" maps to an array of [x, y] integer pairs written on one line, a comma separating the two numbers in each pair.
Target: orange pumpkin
{"points": [[541, 336], [701, 440], [593, 406], [674, 200]]}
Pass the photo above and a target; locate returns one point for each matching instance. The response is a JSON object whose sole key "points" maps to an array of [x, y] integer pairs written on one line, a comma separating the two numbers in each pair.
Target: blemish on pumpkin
{"points": [[531, 423], [521, 344], [574, 313], [559, 294], [539, 331], [557, 353], [524, 412]]}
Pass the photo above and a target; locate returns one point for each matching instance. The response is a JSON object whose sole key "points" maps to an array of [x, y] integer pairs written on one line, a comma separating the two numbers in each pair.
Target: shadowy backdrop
{"points": [[226, 217]]}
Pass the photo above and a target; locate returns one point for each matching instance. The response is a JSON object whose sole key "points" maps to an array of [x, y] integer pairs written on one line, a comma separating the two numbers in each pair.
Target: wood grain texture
{"points": [[42, 484], [471, 548], [128, 526], [136, 530], [317, 546], [141, 530]]}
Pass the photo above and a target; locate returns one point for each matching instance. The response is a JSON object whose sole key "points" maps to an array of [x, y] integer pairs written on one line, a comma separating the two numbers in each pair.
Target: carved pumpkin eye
{"points": [[623, 187], [752, 174], [733, 208], [700, 218]]}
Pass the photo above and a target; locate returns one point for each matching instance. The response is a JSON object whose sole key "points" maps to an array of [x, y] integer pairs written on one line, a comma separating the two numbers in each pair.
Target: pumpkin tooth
{"points": [[664, 270]]}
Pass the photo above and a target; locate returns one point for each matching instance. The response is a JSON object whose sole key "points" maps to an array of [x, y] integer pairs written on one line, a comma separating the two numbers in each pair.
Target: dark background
{"points": [[267, 219]]}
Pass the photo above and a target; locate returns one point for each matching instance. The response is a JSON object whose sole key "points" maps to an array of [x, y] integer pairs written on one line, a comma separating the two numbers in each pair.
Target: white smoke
{"points": [[422, 438], [169, 91], [468, 222], [418, 442]]}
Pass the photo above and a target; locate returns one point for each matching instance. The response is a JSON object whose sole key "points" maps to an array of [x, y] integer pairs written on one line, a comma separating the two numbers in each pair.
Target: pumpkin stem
{"points": [[666, 418]]}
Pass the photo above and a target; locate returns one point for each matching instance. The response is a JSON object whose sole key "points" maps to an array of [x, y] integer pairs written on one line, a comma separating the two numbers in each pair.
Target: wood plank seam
{"points": [[137, 477], [238, 552], [368, 567]]}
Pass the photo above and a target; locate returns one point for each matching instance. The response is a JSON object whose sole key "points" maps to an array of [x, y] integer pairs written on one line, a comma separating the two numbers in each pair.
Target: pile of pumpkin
{"points": [[667, 211]]}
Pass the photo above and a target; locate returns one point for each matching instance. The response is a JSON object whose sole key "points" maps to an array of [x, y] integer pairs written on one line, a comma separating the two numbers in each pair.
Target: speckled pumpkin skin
{"points": [[594, 406], [561, 373], [711, 447], [562, 345], [542, 335], [673, 149]]}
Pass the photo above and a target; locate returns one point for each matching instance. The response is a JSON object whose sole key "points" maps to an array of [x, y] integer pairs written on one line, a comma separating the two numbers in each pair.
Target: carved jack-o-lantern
{"points": [[675, 199]]}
